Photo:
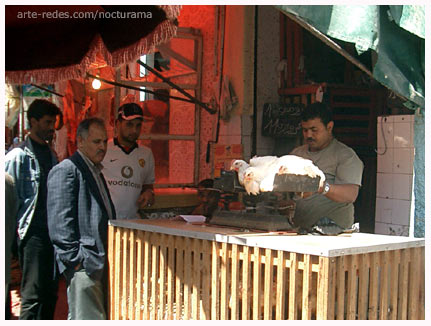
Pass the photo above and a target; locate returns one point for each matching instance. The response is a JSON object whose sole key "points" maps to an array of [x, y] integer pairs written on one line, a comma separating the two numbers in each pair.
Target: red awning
{"points": [[45, 44]]}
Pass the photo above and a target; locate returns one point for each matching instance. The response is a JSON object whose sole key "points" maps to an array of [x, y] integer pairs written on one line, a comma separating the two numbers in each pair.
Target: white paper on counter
{"points": [[193, 218]]}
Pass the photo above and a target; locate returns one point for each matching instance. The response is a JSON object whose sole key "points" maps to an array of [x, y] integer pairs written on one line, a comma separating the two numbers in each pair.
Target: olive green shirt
{"points": [[341, 165]]}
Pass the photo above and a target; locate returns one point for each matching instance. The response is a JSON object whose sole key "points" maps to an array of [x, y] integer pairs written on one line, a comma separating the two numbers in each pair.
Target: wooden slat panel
{"points": [[306, 288], [206, 280], [347, 105], [124, 283], [268, 286], [321, 287], [352, 293], [350, 117], [234, 301], [374, 286], [154, 277], [179, 276], [215, 281], [384, 285], [111, 259], [332, 276], [293, 280], [224, 281], [292, 92], [364, 282], [388, 283], [421, 268], [196, 278], [340, 287], [414, 277], [246, 258], [162, 278], [118, 274], [139, 272], [187, 277], [325, 285], [256, 283], [170, 278], [132, 276], [281, 286], [394, 274], [351, 130], [403, 284], [146, 281]]}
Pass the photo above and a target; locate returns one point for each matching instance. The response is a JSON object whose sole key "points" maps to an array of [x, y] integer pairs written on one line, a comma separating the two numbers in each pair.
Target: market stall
{"points": [[165, 269]]}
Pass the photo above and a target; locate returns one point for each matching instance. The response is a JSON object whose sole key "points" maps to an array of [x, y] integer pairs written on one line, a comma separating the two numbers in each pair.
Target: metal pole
{"points": [[179, 89]]}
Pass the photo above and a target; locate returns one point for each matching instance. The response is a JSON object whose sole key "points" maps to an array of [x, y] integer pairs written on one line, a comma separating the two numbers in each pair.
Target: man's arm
{"points": [[13, 166], [62, 207], [147, 196], [346, 193], [349, 176]]}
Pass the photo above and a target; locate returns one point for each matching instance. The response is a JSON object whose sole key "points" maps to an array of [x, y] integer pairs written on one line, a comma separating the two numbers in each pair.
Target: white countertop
{"points": [[327, 246]]}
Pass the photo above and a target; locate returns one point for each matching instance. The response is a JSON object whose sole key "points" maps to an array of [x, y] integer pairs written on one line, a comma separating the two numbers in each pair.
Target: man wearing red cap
{"points": [[128, 167]]}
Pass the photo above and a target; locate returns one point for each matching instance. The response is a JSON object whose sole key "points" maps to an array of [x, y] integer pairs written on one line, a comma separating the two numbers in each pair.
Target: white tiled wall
{"points": [[394, 174]]}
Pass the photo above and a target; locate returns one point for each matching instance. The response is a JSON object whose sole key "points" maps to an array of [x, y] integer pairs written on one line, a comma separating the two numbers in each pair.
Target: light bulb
{"points": [[96, 84]]}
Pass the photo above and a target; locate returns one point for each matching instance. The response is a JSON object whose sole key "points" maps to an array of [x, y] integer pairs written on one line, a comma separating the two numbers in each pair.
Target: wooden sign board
{"points": [[281, 120]]}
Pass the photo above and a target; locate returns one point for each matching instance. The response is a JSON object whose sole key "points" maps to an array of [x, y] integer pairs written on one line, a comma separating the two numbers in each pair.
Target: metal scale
{"points": [[267, 211]]}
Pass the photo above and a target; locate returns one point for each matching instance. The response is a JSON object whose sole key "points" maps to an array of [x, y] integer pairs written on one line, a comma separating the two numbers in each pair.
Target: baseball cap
{"points": [[130, 111]]}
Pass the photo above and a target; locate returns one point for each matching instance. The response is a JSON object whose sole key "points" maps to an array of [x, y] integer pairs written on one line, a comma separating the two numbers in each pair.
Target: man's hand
{"points": [[146, 199]]}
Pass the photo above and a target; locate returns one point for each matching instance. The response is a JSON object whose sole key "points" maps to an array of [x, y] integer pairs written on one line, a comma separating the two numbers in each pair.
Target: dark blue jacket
{"points": [[22, 165]]}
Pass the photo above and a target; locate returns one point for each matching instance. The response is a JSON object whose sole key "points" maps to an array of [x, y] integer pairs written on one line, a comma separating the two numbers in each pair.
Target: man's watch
{"points": [[326, 188]]}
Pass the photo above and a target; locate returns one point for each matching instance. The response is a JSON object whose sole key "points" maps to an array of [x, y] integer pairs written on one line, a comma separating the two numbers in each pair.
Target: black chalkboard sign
{"points": [[281, 120]]}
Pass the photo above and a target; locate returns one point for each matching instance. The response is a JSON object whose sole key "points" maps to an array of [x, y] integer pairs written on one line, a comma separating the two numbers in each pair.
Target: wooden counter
{"points": [[161, 269]]}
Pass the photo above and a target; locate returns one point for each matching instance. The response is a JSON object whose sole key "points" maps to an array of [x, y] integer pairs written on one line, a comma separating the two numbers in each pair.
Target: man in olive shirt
{"points": [[340, 164]]}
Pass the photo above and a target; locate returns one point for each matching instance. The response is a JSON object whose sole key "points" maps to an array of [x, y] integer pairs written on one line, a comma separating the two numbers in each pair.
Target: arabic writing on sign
{"points": [[281, 120]]}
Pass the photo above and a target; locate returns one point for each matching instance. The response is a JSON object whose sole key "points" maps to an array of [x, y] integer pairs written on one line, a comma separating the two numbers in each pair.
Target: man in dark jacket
{"points": [[79, 207], [10, 209], [29, 165]]}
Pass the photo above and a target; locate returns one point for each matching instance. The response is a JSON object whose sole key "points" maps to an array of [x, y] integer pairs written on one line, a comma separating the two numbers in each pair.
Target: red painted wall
{"points": [[203, 18]]}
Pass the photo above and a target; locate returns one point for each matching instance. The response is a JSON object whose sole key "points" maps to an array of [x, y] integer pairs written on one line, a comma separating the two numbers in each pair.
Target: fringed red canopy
{"points": [[45, 44]]}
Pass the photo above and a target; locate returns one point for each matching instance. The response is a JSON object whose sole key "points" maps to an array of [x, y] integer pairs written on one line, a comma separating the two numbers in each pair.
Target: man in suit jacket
{"points": [[79, 207]]}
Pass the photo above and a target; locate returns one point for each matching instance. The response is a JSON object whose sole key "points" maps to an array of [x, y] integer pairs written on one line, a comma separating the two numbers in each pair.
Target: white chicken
{"points": [[253, 177], [256, 172], [290, 164], [239, 166], [258, 176], [263, 161]]}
